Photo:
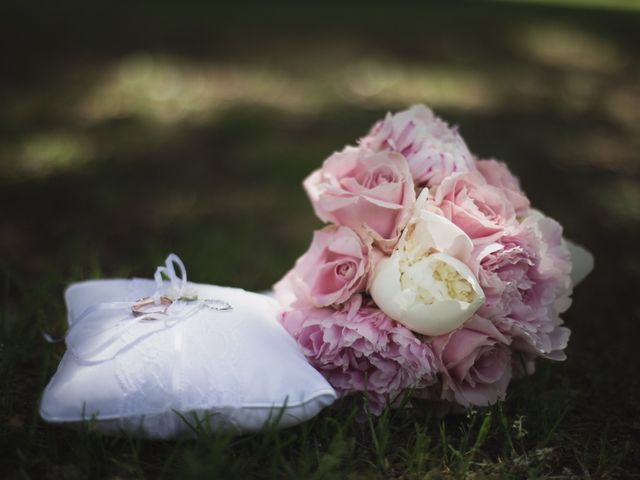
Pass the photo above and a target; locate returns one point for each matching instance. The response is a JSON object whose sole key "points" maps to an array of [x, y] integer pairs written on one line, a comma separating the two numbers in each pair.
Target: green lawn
{"points": [[128, 133]]}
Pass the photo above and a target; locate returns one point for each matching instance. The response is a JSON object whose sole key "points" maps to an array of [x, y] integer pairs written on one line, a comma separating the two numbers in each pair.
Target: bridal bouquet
{"points": [[434, 276]]}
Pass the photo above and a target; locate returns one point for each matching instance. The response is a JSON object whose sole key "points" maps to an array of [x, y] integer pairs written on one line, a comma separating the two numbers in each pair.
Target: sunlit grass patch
{"points": [[624, 5], [42, 153], [380, 83], [168, 90], [171, 91], [567, 46]]}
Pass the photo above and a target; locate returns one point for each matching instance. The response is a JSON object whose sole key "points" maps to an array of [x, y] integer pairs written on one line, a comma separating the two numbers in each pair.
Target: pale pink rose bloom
{"points": [[359, 349], [481, 210], [498, 174], [433, 149], [372, 193], [474, 363], [334, 268], [525, 276]]}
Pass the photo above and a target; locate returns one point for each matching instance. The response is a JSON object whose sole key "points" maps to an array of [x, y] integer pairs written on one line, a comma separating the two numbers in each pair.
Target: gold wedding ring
{"points": [[148, 305]]}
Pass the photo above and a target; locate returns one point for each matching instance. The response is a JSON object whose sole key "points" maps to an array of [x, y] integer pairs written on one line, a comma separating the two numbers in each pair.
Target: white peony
{"points": [[425, 284]]}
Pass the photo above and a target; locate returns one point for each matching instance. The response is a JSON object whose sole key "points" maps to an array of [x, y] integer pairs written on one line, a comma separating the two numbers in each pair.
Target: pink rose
{"points": [[497, 174], [433, 149], [372, 193], [359, 349], [334, 268], [474, 362], [525, 276], [481, 210]]}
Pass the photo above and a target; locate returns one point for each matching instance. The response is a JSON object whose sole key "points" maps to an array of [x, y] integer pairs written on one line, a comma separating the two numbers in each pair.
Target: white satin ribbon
{"points": [[104, 330], [178, 284]]}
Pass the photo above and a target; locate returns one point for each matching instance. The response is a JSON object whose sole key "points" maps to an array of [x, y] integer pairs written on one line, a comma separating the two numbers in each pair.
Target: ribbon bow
{"points": [[104, 330]]}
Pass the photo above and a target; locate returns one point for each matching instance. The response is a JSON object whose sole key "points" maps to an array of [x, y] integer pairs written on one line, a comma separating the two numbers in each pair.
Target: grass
{"points": [[179, 134]]}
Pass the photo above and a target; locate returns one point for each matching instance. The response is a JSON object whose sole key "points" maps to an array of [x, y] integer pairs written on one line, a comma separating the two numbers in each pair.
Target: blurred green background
{"points": [[130, 131]]}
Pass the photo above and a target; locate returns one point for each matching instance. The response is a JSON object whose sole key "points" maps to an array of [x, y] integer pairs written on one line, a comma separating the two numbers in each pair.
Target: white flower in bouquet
{"points": [[425, 284]]}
